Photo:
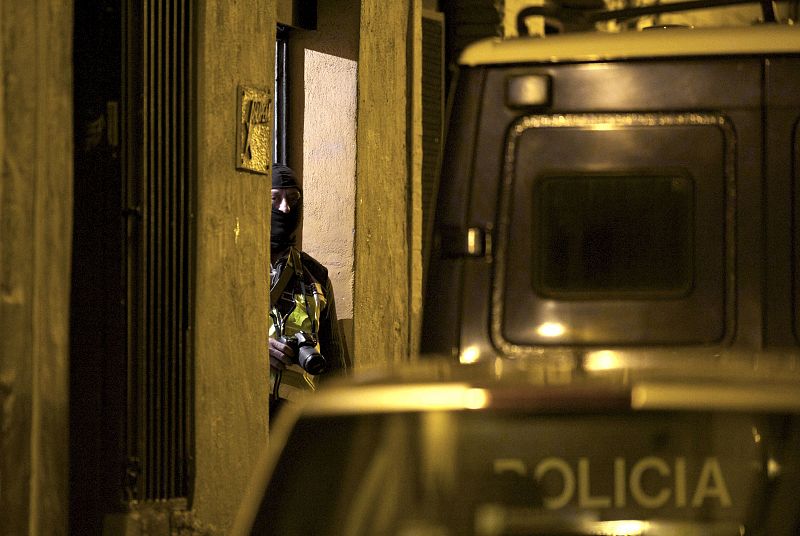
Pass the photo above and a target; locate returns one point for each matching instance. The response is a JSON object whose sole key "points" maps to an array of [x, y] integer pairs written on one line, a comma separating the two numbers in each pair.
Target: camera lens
{"points": [[311, 360]]}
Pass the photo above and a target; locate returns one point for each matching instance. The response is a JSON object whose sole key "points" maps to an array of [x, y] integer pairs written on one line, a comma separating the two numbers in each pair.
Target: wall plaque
{"points": [[253, 136]]}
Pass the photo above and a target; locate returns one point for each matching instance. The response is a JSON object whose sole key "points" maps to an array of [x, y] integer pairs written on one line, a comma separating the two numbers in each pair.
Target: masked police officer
{"points": [[304, 338]]}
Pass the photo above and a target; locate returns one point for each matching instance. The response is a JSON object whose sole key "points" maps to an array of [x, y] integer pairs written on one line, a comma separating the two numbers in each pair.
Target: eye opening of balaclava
{"points": [[284, 226]]}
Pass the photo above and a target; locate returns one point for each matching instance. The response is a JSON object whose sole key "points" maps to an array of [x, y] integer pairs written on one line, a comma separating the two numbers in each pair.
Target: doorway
{"points": [[130, 317], [98, 294]]}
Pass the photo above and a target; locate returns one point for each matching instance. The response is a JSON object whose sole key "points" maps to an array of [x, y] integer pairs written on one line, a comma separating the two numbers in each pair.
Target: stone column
{"points": [[35, 249], [236, 43], [385, 270]]}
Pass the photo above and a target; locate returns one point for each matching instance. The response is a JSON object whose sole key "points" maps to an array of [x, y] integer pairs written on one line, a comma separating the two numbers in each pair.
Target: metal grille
{"points": [[161, 187]]}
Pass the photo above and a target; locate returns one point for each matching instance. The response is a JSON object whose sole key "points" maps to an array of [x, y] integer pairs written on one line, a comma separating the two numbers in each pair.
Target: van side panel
{"points": [[760, 202], [782, 109], [443, 282]]}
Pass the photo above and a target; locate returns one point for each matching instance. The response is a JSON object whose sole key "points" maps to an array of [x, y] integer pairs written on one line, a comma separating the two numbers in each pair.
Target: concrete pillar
{"points": [[35, 248], [235, 47], [385, 271]]}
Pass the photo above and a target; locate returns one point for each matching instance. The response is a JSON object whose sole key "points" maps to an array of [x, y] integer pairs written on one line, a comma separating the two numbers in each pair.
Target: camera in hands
{"points": [[305, 351]]}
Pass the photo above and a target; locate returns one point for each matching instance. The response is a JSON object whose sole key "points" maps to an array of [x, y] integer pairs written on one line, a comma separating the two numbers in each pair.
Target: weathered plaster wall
{"points": [[743, 15], [363, 222], [337, 34], [35, 243], [384, 274], [322, 75], [737, 15], [510, 10], [235, 46], [329, 164]]}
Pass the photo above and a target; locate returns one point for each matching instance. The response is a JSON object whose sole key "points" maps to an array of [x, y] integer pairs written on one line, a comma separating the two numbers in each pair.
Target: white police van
{"points": [[522, 447]]}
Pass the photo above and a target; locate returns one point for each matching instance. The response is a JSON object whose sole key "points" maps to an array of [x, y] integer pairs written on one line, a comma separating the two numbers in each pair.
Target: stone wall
{"points": [[234, 47]]}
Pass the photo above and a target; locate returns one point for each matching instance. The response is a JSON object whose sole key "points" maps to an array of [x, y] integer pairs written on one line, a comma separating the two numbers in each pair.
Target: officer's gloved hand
{"points": [[280, 355]]}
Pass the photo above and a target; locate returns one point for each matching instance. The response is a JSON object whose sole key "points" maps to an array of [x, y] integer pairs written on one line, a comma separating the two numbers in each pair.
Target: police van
{"points": [[614, 291], [506, 447], [621, 197]]}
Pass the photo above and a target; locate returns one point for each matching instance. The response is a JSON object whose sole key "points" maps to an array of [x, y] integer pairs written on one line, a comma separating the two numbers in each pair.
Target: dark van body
{"points": [[631, 195], [514, 447], [606, 201]]}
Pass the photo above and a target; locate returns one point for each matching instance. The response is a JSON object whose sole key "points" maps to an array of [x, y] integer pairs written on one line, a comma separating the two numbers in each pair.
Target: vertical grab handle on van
{"points": [[476, 242], [458, 242]]}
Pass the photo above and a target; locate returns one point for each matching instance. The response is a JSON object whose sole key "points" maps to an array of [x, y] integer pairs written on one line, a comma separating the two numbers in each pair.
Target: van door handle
{"points": [[470, 242]]}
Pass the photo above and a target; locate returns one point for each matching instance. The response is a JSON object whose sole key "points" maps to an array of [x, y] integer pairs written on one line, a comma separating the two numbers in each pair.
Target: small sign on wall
{"points": [[253, 140]]}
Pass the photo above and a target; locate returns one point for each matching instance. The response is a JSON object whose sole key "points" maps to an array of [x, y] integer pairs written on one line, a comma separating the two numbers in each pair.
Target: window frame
{"points": [[702, 317]]}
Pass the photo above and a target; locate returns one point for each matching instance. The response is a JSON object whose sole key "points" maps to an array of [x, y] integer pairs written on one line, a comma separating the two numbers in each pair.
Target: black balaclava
{"points": [[284, 225]]}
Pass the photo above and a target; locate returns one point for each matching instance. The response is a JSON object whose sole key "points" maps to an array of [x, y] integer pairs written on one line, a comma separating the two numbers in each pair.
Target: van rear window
{"points": [[603, 236], [617, 232]]}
